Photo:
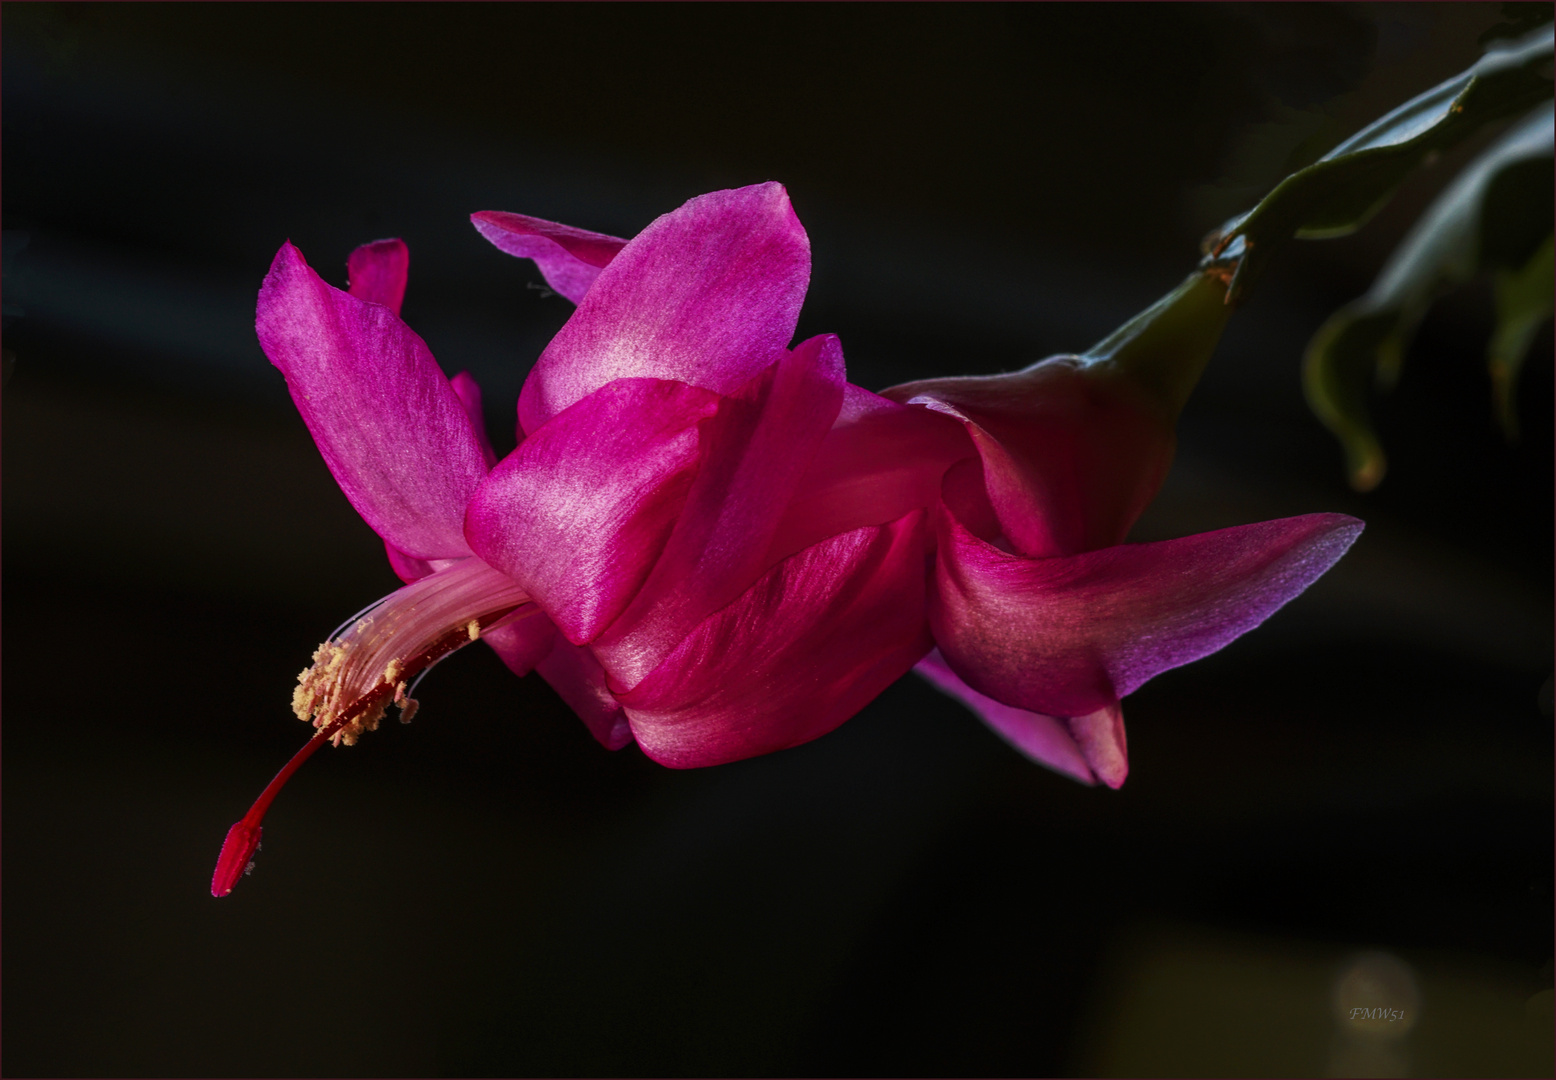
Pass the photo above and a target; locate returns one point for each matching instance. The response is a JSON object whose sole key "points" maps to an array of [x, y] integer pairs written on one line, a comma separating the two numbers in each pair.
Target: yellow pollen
{"points": [[322, 692], [358, 673]]}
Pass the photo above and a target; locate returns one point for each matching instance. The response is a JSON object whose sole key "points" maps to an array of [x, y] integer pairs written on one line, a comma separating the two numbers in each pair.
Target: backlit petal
{"points": [[1069, 636], [1070, 456], [879, 461], [378, 271], [391, 428], [804, 649], [1044, 739], [708, 295], [568, 258], [754, 452], [580, 512]]}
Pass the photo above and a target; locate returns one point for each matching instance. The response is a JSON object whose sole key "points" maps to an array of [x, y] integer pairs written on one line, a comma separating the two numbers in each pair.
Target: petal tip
{"points": [[1348, 526], [1332, 536], [237, 857], [287, 257], [286, 269], [1100, 736]]}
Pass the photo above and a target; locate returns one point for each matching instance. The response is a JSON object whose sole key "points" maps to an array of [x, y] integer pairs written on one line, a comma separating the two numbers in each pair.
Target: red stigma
{"points": [[243, 838], [242, 841], [236, 857]]}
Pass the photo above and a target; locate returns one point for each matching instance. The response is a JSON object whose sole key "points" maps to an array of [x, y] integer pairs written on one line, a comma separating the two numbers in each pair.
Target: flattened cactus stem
{"points": [[1163, 350]]}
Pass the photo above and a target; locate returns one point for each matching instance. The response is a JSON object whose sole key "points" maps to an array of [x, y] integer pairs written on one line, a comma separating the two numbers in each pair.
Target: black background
{"points": [[487, 891]]}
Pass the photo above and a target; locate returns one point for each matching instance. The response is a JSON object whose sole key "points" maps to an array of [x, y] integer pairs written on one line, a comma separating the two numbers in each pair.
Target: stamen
{"points": [[335, 633], [356, 675]]}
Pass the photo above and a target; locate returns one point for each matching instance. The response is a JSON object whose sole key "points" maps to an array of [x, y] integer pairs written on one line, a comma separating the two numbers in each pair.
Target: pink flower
{"points": [[712, 544]]}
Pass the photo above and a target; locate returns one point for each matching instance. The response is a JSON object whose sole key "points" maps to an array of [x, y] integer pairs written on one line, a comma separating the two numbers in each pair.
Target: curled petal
{"points": [[754, 452], [580, 512], [1071, 454], [378, 271], [1070, 636], [707, 295], [569, 259], [579, 680], [391, 428], [1044, 739], [804, 649]]}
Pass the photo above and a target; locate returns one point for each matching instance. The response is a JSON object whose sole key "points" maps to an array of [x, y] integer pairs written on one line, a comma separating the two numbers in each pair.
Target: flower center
{"points": [[373, 662]]}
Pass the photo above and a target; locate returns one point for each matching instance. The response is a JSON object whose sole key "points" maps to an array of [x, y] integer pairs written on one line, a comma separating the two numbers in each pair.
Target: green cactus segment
{"points": [[1363, 344], [1338, 193], [1338, 375], [1524, 303]]}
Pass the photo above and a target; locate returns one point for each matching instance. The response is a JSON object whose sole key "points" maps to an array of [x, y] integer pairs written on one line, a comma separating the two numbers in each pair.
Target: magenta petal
{"points": [[1044, 739], [754, 453], [407, 568], [469, 392], [579, 680], [522, 642], [378, 271], [569, 259], [879, 461], [410, 569], [805, 648], [580, 512], [389, 425], [707, 295], [1070, 636], [1100, 736], [1070, 456]]}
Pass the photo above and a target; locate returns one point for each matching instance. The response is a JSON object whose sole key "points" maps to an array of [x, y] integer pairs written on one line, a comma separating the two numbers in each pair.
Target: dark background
{"points": [[486, 891]]}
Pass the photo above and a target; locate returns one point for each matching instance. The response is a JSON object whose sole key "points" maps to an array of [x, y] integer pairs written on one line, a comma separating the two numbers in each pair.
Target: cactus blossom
{"points": [[710, 543]]}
